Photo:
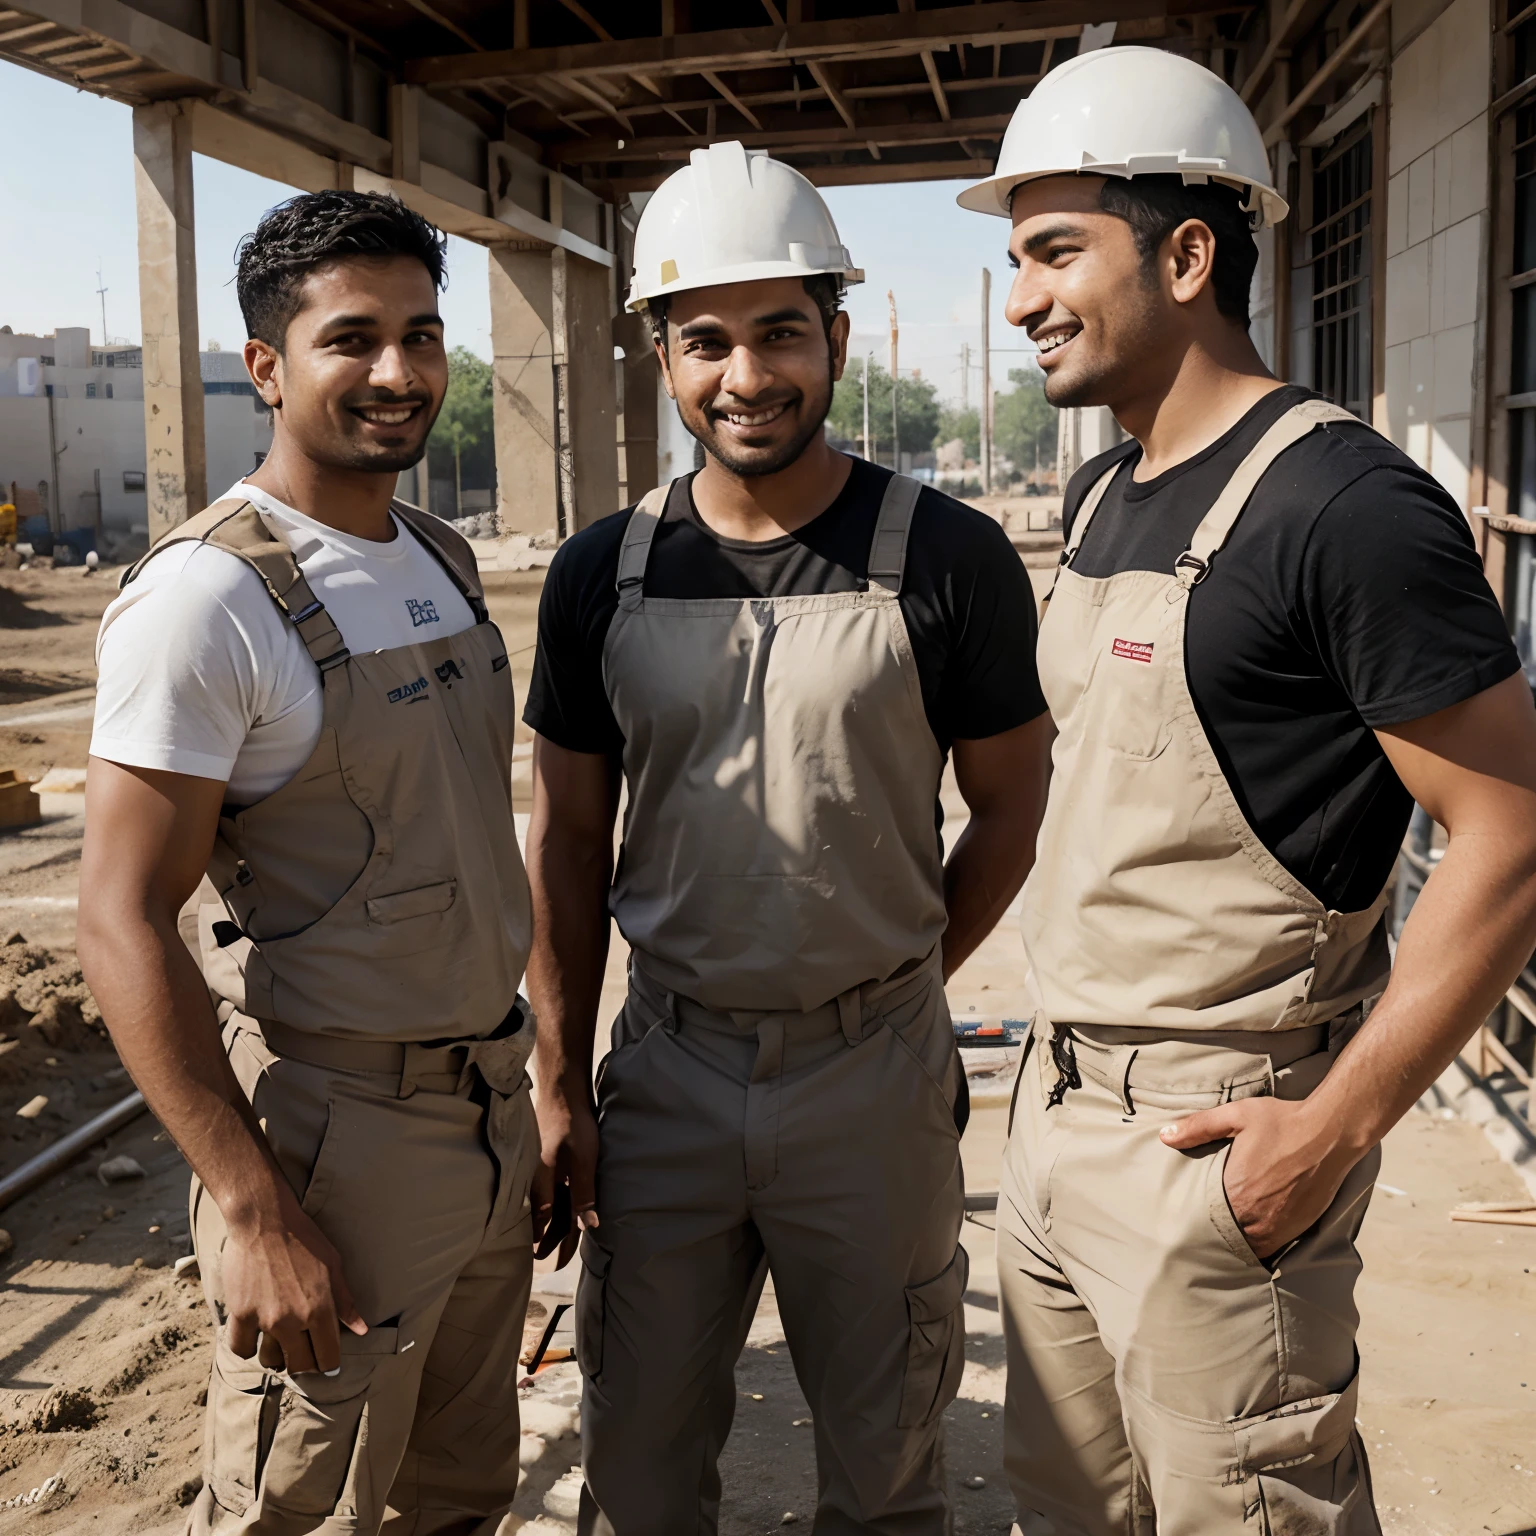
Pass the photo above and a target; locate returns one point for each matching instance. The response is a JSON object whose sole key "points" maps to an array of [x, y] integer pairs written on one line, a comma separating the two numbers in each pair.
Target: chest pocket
{"points": [[1131, 691]]}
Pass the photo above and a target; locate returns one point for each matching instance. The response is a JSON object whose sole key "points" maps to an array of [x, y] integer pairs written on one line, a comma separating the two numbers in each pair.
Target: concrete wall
{"points": [[1437, 233]]}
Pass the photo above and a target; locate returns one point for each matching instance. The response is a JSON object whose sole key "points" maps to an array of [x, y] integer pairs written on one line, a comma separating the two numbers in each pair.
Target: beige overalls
{"points": [[783, 1084], [1161, 1377], [364, 929]]}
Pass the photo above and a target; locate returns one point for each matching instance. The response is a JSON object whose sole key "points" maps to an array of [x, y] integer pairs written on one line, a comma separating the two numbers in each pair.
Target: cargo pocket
{"points": [[935, 1344], [591, 1307], [311, 1467], [242, 1411], [1300, 1466]]}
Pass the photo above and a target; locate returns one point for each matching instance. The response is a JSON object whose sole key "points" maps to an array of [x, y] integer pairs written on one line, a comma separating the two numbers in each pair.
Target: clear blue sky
{"points": [[69, 209]]}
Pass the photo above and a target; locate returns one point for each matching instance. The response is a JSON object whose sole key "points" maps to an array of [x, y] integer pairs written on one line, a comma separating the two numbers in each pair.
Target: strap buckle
{"points": [[1064, 1058], [1196, 565]]}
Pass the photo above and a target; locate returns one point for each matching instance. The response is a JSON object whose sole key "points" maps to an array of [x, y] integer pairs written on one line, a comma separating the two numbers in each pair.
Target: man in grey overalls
{"points": [[1269, 634], [776, 653], [304, 705]]}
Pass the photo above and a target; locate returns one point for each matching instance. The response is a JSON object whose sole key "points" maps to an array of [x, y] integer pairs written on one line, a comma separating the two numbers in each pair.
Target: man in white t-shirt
{"points": [[305, 716]]}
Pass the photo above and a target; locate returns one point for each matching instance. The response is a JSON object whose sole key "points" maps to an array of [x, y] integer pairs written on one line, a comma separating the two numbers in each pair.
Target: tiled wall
{"points": [[1437, 229]]}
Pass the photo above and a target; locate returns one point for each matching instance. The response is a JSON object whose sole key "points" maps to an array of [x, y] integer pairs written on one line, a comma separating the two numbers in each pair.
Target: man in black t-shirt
{"points": [[1269, 635], [777, 654]]}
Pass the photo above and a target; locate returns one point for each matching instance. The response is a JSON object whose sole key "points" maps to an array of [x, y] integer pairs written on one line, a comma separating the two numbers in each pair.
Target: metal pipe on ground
{"points": [[54, 1159]]}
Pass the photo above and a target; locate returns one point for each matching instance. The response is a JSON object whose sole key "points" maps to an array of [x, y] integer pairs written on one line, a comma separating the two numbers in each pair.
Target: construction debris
{"points": [[116, 1169], [1500, 1213], [33, 1107], [19, 805]]}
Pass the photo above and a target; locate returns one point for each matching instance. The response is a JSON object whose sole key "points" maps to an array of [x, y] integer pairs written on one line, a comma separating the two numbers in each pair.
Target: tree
{"points": [[462, 447], [964, 423], [1024, 422], [917, 411]]}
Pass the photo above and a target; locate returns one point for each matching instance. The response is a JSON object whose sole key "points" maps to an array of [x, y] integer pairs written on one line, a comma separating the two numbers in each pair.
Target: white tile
{"points": [[1417, 447], [1450, 458], [1421, 379], [1411, 131], [1455, 351], [1397, 393], [1458, 254], [1437, 281], [1408, 294], [1421, 198], [1397, 213], [1469, 168], [1440, 81], [1442, 159]]}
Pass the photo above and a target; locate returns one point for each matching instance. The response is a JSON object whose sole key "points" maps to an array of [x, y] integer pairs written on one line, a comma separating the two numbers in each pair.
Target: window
{"points": [[90, 391], [1335, 250], [228, 387], [109, 391], [133, 481]]}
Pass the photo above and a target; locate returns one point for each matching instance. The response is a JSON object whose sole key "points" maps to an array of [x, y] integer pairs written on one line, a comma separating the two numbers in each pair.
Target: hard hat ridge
{"points": [[734, 215]]}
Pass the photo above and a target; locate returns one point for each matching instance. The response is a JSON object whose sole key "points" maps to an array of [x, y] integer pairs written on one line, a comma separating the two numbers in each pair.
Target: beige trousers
{"points": [[421, 1182], [1160, 1376], [821, 1146]]}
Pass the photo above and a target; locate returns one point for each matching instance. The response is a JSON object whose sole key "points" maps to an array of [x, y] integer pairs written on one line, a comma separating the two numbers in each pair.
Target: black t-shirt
{"points": [[1349, 596], [965, 596]]}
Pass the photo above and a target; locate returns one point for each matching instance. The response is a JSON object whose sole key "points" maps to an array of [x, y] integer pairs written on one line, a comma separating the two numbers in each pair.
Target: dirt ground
{"points": [[104, 1351]]}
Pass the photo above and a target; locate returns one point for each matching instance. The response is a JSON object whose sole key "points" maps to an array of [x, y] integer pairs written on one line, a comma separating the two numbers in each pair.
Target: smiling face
{"points": [[362, 371], [751, 366], [1084, 294]]}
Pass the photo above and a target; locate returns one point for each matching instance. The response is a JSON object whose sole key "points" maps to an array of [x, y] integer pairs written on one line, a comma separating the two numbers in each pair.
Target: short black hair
{"points": [[1155, 206], [313, 229], [825, 287]]}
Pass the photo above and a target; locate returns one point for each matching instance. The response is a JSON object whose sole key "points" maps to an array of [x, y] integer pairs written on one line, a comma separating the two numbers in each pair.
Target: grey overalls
{"points": [[364, 929], [1161, 1377], [782, 1086]]}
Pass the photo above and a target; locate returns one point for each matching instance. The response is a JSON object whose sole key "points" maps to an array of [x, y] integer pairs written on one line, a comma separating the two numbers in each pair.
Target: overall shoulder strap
{"points": [[888, 548], [1086, 509], [451, 550], [1217, 524], [635, 551], [239, 529]]}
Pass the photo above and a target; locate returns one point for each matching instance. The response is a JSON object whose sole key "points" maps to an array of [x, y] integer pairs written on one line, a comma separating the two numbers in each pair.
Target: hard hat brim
{"points": [[994, 194], [747, 272]]}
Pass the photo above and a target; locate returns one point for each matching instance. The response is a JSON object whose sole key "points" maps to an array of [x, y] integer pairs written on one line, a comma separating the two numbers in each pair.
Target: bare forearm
{"points": [[1471, 930], [156, 1007], [991, 859], [570, 878]]}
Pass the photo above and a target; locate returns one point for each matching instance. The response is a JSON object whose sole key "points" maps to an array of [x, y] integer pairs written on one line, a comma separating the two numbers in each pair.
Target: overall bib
{"points": [[783, 1084], [363, 932], [1161, 1376]]}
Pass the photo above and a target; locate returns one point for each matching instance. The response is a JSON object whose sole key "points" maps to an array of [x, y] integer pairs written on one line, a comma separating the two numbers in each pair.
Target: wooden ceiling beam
{"points": [[818, 72], [990, 24], [865, 173]]}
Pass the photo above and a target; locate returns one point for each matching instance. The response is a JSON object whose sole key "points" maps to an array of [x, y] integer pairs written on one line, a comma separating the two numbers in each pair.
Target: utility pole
{"points": [[869, 357], [985, 413], [965, 375], [101, 293], [895, 423]]}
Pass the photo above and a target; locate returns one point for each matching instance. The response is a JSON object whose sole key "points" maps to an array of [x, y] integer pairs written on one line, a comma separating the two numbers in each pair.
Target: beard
{"points": [[746, 462], [1127, 335]]}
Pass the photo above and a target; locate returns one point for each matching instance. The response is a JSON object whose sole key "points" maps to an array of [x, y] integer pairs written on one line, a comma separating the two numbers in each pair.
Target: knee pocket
{"points": [[1302, 1468], [297, 1447], [935, 1343]]}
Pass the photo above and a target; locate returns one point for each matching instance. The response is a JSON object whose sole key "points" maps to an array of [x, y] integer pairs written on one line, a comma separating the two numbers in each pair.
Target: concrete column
{"points": [[523, 402], [176, 462], [637, 424], [585, 390]]}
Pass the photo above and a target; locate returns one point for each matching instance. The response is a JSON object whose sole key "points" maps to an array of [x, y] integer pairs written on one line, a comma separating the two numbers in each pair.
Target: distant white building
{"points": [[72, 428]]}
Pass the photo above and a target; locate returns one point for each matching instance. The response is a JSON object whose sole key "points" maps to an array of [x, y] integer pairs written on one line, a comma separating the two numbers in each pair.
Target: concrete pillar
{"points": [[176, 478], [586, 408], [523, 399], [638, 446]]}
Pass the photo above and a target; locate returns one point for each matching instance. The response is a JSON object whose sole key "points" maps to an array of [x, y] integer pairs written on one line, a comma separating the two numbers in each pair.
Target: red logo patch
{"points": [[1133, 650]]}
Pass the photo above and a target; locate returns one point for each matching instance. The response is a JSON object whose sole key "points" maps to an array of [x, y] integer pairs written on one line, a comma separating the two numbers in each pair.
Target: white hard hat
{"points": [[1133, 112], [734, 215]]}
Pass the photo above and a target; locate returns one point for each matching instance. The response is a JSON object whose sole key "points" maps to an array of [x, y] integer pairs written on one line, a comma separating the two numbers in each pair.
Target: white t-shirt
{"points": [[200, 672]]}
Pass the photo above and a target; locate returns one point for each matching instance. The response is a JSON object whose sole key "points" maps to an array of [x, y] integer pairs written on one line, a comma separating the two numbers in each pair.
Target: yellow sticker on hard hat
{"points": [[669, 271]]}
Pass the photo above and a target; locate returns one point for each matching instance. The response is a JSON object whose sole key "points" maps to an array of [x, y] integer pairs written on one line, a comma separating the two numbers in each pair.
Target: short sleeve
{"points": [[1395, 597], [567, 700], [967, 567], [187, 658]]}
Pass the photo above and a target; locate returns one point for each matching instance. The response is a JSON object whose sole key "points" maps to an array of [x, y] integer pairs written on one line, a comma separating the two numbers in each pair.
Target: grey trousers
{"points": [[822, 1147]]}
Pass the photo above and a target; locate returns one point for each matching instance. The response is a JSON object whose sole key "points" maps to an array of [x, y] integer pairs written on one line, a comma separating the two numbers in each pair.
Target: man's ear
{"points": [[666, 370], [1189, 260], [262, 360], [838, 335]]}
